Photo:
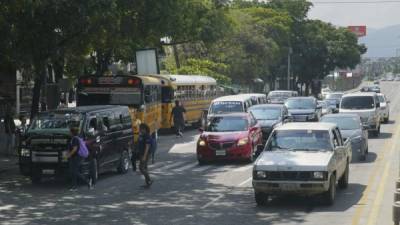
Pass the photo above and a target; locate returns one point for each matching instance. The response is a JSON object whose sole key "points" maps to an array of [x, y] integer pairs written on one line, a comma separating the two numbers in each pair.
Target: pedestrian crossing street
{"points": [[194, 167]]}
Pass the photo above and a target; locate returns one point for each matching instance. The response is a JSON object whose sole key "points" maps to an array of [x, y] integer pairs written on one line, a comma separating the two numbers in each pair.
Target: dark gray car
{"points": [[270, 116], [351, 128], [304, 109]]}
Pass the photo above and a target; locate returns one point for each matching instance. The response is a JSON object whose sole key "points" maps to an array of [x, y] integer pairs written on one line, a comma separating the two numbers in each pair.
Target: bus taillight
{"points": [[86, 81], [133, 82]]}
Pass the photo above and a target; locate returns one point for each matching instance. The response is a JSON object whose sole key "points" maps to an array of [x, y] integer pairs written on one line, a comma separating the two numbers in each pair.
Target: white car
{"points": [[384, 108], [304, 159]]}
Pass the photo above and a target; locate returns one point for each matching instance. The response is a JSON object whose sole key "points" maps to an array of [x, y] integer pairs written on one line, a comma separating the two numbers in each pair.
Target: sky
{"points": [[372, 13]]}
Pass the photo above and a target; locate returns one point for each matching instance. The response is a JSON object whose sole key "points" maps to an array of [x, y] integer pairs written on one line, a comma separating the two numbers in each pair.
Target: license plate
{"points": [[288, 187], [48, 172], [220, 153]]}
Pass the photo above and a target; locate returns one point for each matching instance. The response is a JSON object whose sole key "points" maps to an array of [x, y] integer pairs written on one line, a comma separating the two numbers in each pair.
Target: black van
{"points": [[107, 131]]}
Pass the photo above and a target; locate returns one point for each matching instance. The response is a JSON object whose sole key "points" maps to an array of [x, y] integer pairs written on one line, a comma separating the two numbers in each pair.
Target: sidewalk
{"points": [[8, 163]]}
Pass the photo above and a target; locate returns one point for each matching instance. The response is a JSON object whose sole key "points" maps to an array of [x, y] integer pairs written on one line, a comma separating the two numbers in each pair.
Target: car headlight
{"points": [[25, 152], [202, 143], [318, 175], [243, 141], [261, 174]]}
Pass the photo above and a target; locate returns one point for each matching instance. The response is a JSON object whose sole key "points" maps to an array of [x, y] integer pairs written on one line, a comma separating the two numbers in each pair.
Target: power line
{"points": [[356, 2]]}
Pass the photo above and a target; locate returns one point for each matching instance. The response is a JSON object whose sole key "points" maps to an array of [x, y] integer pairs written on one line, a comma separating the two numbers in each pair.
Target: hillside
{"points": [[382, 42]]}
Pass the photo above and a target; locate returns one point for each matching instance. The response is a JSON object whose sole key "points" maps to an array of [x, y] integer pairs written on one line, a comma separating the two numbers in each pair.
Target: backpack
{"points": [[83, 150]]}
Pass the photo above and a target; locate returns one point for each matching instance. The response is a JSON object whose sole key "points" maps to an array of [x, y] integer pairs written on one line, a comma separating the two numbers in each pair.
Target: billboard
{"points": [[147, 62], [360, 31]]}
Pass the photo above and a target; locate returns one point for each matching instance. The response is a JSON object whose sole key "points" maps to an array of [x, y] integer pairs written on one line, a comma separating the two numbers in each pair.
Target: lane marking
{"points": [[373, 216], [168, 166], [243, 168], [187, 167], [379, 161], [202, 168], [213, 201], [245, 182]]}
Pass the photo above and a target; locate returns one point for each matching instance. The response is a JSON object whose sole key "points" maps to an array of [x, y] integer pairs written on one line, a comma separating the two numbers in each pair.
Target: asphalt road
{"points": [[185, 193]]}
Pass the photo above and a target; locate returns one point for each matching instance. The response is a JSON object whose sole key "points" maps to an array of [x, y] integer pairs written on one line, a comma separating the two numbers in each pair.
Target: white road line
{"points": [[213, 201], [243, 168], [202, 168], [168, 166], [245, 182], [187, 167]]}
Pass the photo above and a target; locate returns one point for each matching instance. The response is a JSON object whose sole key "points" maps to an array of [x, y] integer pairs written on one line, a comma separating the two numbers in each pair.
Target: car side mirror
{"points": [[91, 132]]}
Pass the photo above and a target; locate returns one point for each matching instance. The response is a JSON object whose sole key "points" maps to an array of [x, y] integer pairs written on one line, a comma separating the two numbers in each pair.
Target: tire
{"points": [[36, 175], [124, 162], [363, 156], [329, 196], [261, 198], [377, 132], [386, 120], [344, 180]]}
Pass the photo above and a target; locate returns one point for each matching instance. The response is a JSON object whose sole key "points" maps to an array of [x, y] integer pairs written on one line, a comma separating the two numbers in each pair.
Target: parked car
{"points": [[376, 82], [270, 116], [279, 96], [333, 105], [374, 88], [351, 129], [384, 108], [303, 109], [367, 106], [304, 159], [107, 131], [326, 109], [232, 136]]}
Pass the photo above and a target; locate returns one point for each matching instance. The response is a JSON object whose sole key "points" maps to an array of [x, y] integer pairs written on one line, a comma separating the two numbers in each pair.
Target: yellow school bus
{"points": [[193, 91], [141, 93]]}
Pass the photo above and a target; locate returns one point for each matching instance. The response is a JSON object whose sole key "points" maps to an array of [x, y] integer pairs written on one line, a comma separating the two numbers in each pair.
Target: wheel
{"points": [[261, 198], [386, 120], [123, 166], [330, 195], [94, 170], [344, 180], [36, 175], [377, 132], [363, 156]]}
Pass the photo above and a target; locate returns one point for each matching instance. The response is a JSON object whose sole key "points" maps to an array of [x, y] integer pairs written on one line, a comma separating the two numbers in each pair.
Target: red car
{"points": [[230, 136]]}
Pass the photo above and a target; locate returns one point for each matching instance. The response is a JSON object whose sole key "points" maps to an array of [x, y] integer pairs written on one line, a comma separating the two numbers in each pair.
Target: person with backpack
{"points": [[144, 145], [77, 153]]}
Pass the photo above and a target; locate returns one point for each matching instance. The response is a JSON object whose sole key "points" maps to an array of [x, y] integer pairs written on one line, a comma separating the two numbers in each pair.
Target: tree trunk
{"points": [[176, 55], [58, 66], [40, 76], [307, 89]]}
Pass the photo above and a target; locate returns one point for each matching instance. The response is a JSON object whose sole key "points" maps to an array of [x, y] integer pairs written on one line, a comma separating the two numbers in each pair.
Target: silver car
{"points": [[351, 128], [384, 108]]}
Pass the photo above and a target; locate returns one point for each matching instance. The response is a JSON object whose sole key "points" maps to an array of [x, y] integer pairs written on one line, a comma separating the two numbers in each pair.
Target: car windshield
{"points": [[279, 95], [358, 102], [266, 113], [381, 98], [334, 96], [300, 104], [299, 140], [227, 124], [344, 123], [58, 121], [226, 107]]}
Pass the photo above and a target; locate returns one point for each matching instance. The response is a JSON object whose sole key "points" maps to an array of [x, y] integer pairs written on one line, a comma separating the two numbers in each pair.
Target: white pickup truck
{"points": [[305, 159]]}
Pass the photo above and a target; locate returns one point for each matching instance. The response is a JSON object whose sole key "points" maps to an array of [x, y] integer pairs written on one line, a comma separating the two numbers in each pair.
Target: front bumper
{"points": [[206, 153], [290, 187]]}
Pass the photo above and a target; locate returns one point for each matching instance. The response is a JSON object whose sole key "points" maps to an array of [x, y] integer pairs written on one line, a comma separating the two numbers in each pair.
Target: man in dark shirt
{"points": [[178, 113], [144, 144]]}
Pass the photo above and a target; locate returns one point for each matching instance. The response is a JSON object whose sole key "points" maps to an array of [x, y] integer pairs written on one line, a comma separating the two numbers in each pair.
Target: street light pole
{"points": [[288, 67]]}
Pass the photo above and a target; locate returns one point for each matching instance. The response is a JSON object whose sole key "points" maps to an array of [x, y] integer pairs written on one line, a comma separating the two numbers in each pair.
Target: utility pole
{"points": [[288, 67]]}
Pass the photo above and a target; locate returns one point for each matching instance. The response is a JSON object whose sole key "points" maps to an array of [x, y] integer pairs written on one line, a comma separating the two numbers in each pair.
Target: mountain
{"points": [[383, 42]]}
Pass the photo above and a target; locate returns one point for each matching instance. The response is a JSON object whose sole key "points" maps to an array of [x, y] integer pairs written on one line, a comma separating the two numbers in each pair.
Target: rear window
{"points": [[358, 102], [226, 107]]}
